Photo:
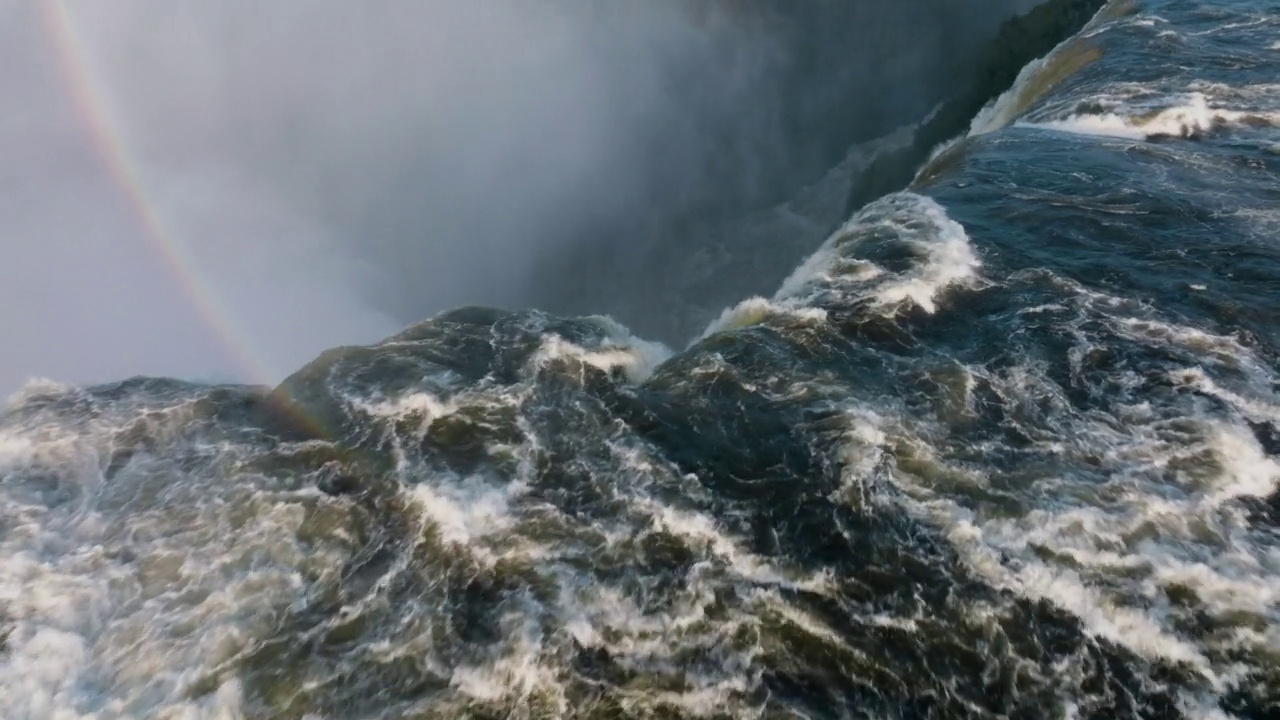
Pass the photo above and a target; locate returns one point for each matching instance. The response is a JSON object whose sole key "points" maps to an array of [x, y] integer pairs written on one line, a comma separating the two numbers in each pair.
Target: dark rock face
{"points": [[1021, 40]]}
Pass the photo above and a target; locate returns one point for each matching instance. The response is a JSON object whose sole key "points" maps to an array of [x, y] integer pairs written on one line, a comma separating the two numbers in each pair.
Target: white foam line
{"points": [[1064, 588], [1223, 348], [950, 261], [1254, 409], [756, 310], [1195, 115], [118, 601], [518, 674], [636, 358], [946, 256], [33, 387], [468, 511], [15, 451], [704, 530], [405, 406], [1099, 539]]}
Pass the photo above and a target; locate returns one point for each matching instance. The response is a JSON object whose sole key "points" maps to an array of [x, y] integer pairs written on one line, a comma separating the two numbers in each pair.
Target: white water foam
{"points": [[591, 613], [1163, 540], [756, 310], [133, 597], [1193, 115], [1001, 111], [468, 511], [1163, 523], [951, 261], [946, 258], [659, 641], [419, 404], [33, 387], [519, 675], [862, 455], [985, 543], [1252, 408], [635, 357], [15, 451]]}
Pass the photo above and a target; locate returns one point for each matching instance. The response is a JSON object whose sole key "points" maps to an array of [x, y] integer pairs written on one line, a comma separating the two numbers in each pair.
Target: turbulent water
{"points": [[1003, 447]]}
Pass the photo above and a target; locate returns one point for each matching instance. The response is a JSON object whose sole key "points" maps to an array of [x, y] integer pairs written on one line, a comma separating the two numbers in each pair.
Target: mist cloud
{"points": [[338, 169]]}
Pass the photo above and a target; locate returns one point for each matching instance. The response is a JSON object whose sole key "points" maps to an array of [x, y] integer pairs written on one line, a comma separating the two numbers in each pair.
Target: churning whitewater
{"points": [[1004, 446]]}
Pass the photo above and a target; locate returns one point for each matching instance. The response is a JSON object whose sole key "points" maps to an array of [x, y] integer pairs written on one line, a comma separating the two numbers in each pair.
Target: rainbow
{"points": [[95, 110]]}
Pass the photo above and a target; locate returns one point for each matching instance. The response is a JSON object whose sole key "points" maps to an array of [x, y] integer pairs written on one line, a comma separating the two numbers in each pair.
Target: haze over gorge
{"points": [[265, 181]]}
